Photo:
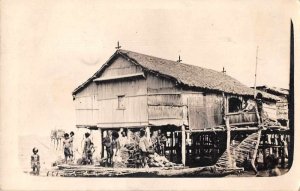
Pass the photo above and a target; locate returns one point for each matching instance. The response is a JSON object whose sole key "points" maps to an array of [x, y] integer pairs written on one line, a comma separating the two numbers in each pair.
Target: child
{"points": [[67, 146], [71, 144], [35, 161]]}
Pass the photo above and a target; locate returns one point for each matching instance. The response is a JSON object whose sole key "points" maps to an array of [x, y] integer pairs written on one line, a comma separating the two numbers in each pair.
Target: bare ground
{"points": [[48, 154]]}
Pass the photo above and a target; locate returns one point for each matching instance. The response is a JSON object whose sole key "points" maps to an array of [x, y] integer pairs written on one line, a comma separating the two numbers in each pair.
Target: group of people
{"points": [[88, 148], [112, 144], [68, 146], [115, 141]]}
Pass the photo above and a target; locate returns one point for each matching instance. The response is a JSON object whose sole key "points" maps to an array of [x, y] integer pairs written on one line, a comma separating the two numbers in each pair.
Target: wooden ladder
{"points": [[240, 151]]}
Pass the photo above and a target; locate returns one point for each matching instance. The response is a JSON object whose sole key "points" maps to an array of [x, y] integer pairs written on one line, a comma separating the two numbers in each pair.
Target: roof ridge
{"points": [[175, 62], [181, 64]]}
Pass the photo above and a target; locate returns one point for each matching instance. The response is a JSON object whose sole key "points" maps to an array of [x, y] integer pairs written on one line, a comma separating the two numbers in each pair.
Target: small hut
{"points": [[186, 102]]}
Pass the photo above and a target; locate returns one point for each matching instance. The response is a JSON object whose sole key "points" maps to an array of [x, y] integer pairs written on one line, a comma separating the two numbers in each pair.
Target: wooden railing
{"points": [[242, 118]]}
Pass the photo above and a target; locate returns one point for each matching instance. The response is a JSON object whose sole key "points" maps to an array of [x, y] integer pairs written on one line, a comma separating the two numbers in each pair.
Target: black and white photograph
{"points": [[149, 95]]}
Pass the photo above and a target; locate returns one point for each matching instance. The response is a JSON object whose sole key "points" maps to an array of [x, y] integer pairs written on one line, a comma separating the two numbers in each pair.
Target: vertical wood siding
{"points": [[205, 111], [127, 87], [121, 67], [134, 113], [86, 106], [134, 91], [160, 85], [164, 102], [271, 110]]}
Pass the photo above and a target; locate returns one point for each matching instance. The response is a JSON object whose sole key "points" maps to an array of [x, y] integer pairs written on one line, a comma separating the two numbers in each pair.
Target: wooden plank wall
{"points": [[86, 106], [120, 67], [128, 87], [271, 110], [205, 111], [157, 84], [214, 109], [164, 102], [135, 101]]}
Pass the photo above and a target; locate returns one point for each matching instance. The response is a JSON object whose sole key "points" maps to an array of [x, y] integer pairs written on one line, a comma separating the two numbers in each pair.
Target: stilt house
{"points": [[188, 103]]}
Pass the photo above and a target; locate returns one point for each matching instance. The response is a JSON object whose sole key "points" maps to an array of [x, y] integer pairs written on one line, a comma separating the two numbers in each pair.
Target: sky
{"points": [[51, 47]]}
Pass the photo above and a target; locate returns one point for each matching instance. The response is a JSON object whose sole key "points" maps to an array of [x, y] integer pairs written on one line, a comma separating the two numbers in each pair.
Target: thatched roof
{"points": [[184, 74]]}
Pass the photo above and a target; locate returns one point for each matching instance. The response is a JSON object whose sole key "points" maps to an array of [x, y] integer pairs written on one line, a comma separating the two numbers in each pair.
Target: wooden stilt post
{"points": [[283, 152], [228, 141], [264, 149], [171, 146], [183, 153], [100, 147]]}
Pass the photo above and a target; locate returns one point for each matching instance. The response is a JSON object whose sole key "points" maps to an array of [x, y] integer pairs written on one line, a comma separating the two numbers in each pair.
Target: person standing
{"points": [[72, 144], [259, 105], [90, 152], [144, 146], [123, 139], [87, 145], [109, 149], [35, 161], [66, 146], [163, 143], [115, 147]]}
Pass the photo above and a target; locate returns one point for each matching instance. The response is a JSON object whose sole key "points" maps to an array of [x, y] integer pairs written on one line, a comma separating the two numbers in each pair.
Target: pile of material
{"points": [[58, 161], [121, 160], [94, 171], [155, 160], [270, 123], [130, 156]]}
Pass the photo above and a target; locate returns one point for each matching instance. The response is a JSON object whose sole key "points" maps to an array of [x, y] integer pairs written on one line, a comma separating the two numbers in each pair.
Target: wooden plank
{"points": [[134, 112], [100, 141], [88, 91], [163, 122], [183, 143], [127, 87], [204, 111], [228, 142], [120, 77], [155, 82], [120, 66], [158, 112], [86, 117], [242, 118], [165, 100]]}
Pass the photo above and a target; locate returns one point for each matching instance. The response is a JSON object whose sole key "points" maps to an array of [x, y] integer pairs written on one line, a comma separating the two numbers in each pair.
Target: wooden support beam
{"points": [[228, 141], [101, 145], [183, 152], [171, 146]]}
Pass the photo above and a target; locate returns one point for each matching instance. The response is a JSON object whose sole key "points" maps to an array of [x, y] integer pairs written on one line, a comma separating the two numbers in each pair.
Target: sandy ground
{"points": [[46, 151], [48, 154]]}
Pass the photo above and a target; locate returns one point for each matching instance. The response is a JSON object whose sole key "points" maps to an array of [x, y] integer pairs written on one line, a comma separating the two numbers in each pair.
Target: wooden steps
{"points": [[240, 151]]}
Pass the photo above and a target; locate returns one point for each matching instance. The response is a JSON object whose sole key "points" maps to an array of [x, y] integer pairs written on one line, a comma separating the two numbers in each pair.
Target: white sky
{"points": [[51, 47]]}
